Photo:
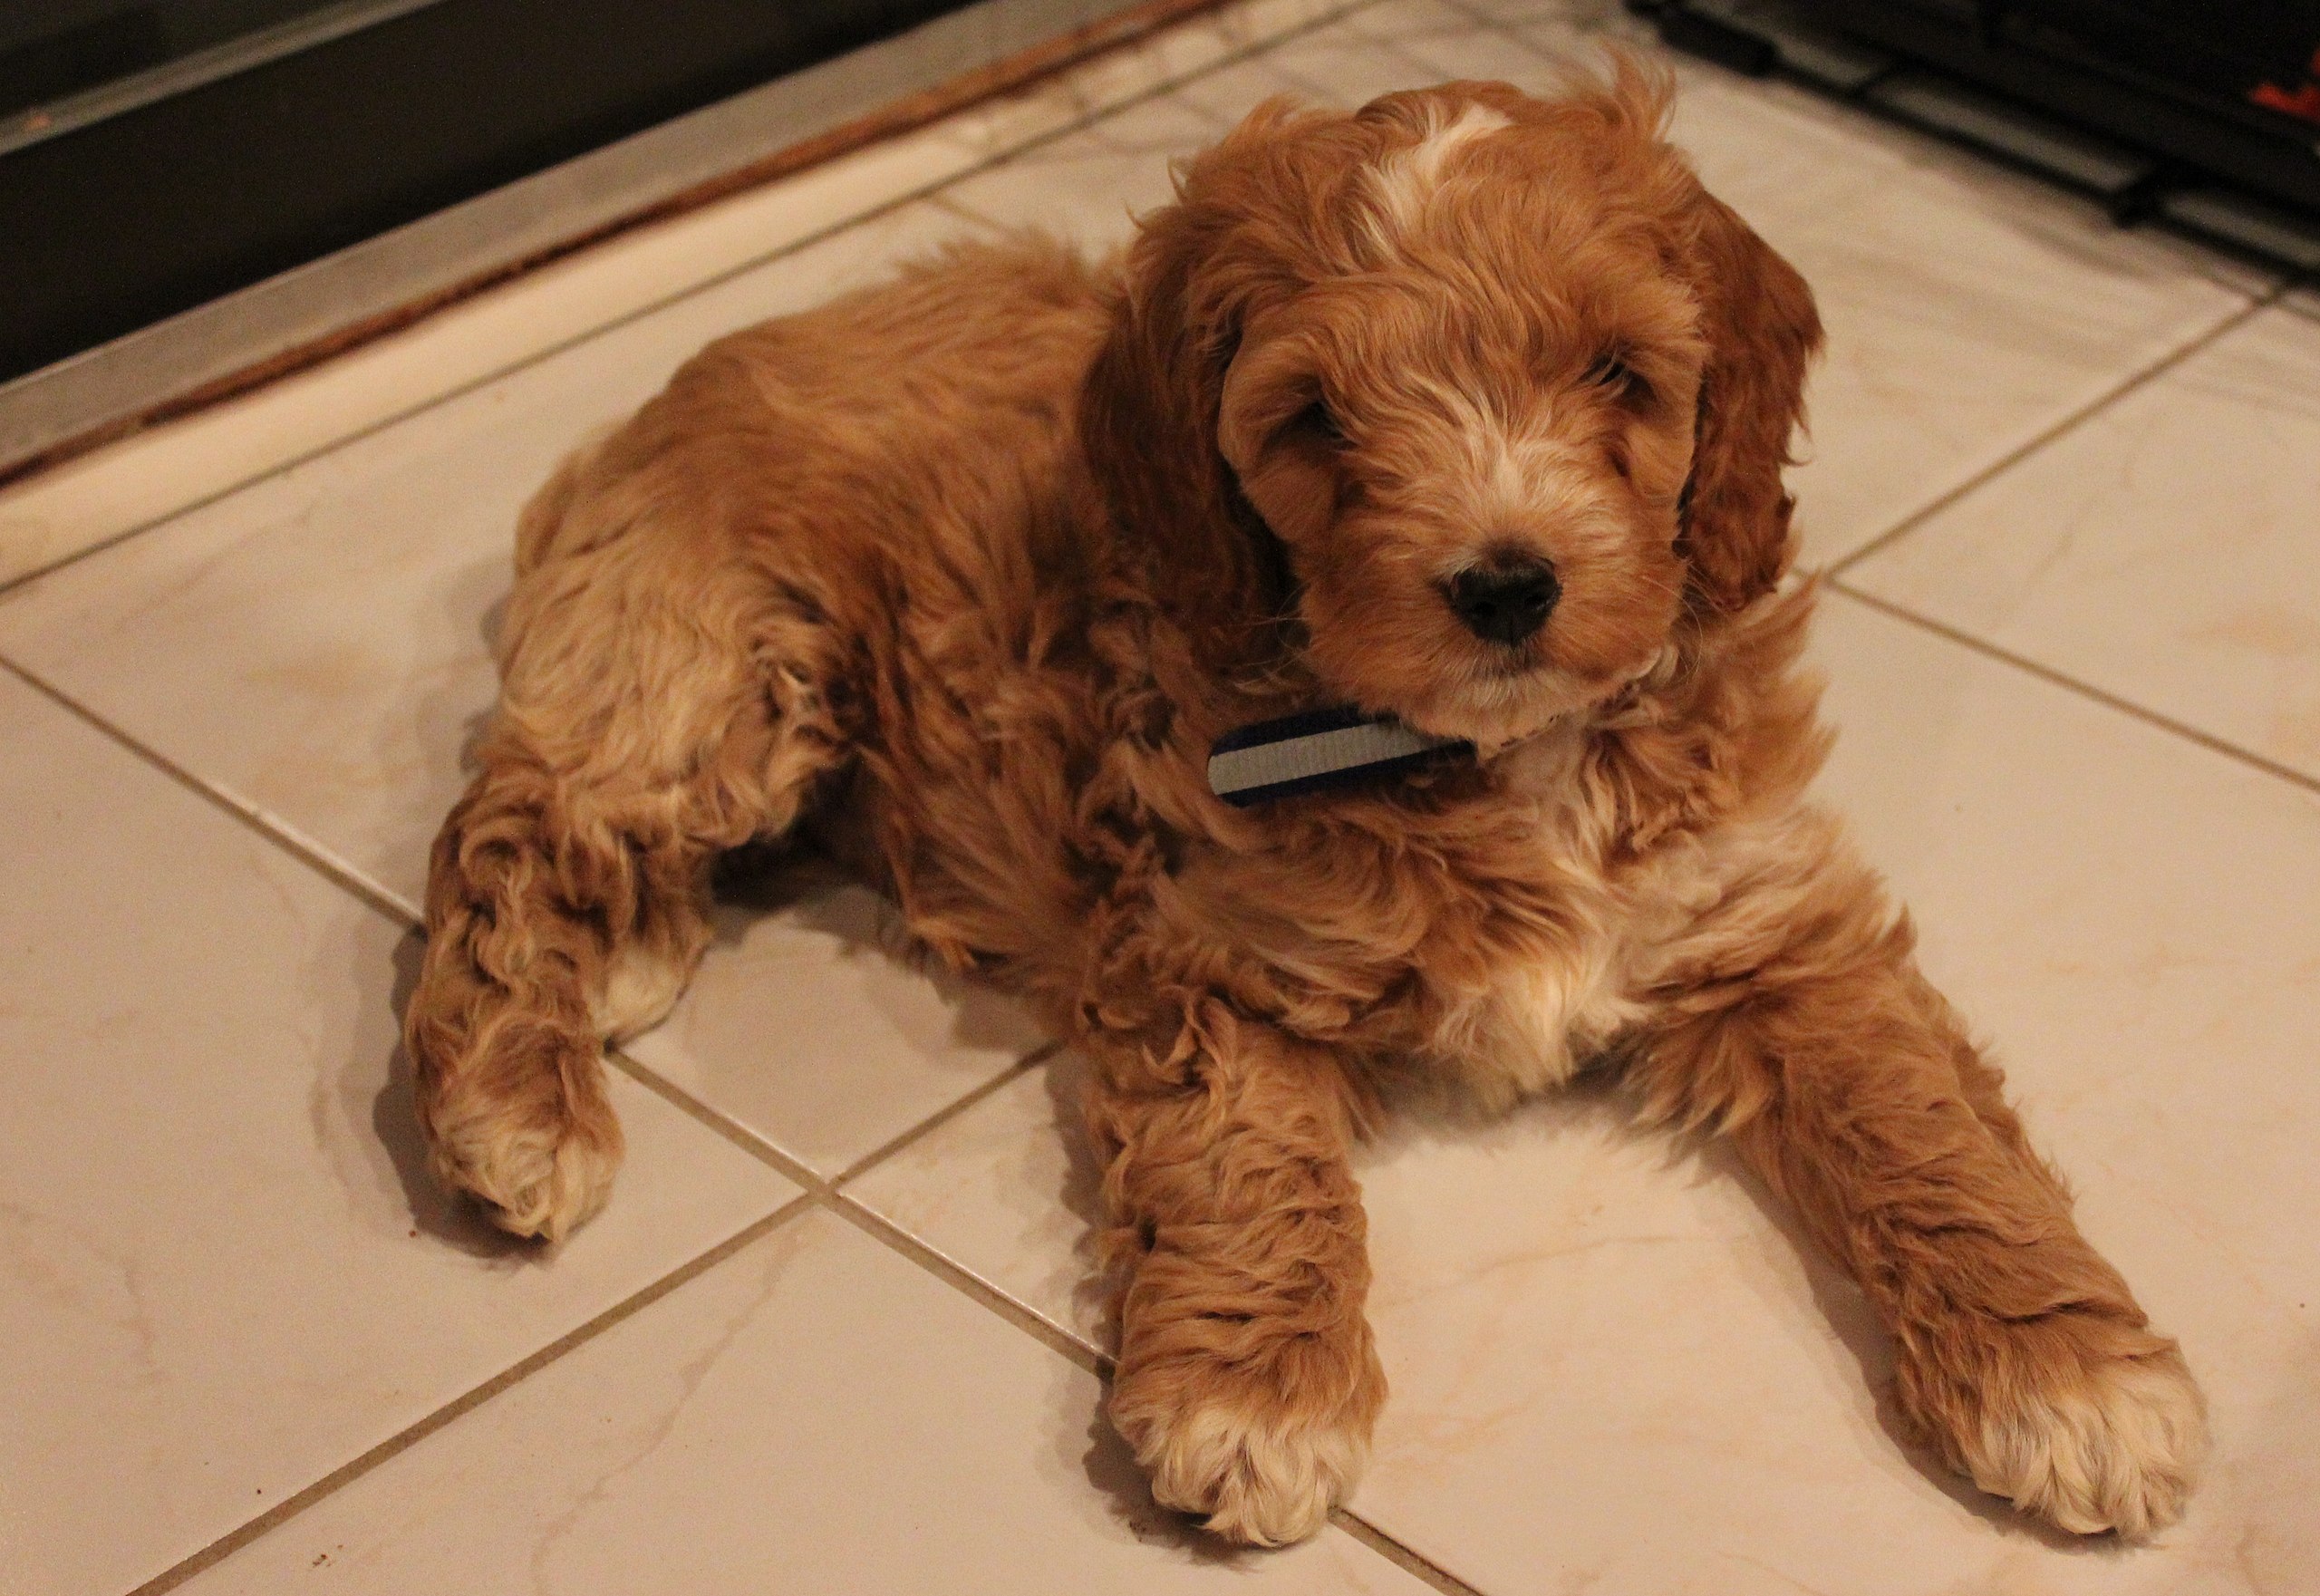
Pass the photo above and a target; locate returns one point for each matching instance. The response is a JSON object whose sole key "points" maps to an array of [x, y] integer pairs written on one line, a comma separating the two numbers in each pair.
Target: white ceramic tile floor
{"points": [[820, 1415], [1614, 1369], [226, 1273], [2163, 550], [808, 1030]]}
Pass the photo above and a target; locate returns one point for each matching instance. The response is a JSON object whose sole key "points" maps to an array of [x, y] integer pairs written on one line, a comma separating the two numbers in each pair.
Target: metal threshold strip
{"points": [[303, 317]]}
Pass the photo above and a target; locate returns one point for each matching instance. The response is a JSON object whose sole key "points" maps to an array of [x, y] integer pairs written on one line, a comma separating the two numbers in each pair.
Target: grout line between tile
{"points": [[1913, 519], [923, 192], [303, 849], [943, 202], [1399, 1555], [1484, 23], [404, 1439], [709, 1118], [2047, 673], [713, 1121], [344, 875], [1091, 1360], [943, 1115], [787, 1164], [881, 1229]]}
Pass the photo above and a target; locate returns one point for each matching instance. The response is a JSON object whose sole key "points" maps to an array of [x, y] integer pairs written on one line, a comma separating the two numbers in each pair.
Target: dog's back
{"points": [[888, 422]]}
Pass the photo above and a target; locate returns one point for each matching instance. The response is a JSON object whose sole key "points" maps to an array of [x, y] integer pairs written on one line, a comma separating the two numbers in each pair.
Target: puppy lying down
{"points": [[1468, 408]]}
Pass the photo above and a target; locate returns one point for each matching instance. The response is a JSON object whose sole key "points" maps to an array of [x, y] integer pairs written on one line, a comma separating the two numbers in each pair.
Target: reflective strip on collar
{"points": [[1305, 752]]}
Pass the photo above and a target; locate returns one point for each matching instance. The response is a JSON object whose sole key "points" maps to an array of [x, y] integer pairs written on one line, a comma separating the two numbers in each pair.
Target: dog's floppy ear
{"points": [[1149, 412], [1762, 331]]}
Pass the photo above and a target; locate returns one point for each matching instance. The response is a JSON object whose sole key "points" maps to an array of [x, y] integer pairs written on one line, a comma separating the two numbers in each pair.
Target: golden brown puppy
{"points": [[1469, 407]]}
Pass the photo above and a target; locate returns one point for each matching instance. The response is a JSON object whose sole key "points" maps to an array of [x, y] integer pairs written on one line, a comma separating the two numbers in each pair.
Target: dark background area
{"points": [[2209, 84], [140, 214], [2203, 114], [162, 206], [51, 48]]}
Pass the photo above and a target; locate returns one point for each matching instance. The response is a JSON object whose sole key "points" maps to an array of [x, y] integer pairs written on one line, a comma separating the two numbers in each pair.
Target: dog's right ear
{"points": [[1150, 411]]}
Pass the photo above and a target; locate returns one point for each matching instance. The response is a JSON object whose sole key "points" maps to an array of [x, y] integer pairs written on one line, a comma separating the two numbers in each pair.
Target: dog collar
{"points": [[1319, 749]]}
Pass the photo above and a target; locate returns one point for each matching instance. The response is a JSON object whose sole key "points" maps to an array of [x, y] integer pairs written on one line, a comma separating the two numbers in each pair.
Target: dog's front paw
{"points": [[1259, 1460], [2058, 1418], [538, 1157], [2115, 1449], [1250, 1473]]}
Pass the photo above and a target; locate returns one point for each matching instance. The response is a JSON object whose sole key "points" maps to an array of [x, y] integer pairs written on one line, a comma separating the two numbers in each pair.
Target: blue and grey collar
{"points": [[1318, 749]]}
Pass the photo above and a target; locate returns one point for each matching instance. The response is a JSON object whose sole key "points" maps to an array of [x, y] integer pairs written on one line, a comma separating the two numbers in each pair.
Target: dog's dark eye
{"points": [[1612, 374], [1319, 423]]}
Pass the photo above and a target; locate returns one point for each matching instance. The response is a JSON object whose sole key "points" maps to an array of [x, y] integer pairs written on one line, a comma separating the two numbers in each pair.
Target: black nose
{"points": [[1507, 604]]}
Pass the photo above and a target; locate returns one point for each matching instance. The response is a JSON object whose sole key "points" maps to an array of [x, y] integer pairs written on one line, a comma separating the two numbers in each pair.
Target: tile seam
{"points": [[2053, 432], [1092, 1360], [790, 1165], [885, 1230], [2181, 729], [514, 1374], [1416, 1564], [1485, 23], [716, 1121], [943, 1115], [310, 855]]}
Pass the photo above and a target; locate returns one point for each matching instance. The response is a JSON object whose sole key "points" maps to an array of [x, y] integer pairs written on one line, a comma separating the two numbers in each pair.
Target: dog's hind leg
{"points": [[658, 707]]}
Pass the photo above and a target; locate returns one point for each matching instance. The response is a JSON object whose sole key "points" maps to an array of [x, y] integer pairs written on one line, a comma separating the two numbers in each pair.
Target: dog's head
{"points": [[1475, 397]]}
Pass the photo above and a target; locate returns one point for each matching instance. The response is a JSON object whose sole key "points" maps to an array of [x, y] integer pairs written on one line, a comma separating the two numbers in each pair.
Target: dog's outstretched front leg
{"points": [[1848, 1083], [1247, 1383]]}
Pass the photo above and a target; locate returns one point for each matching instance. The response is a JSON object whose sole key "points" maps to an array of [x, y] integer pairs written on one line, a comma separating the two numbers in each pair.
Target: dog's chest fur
{"points": [[1494, 947]]}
